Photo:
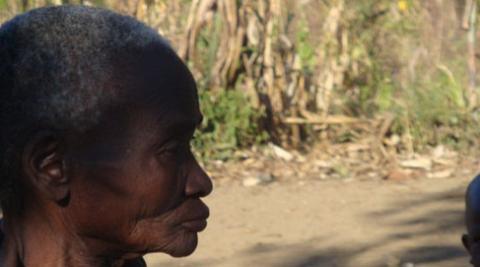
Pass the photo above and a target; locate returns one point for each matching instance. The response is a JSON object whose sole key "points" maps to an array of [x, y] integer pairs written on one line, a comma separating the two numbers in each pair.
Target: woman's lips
{"points": [[196, 225], [195, 215]]}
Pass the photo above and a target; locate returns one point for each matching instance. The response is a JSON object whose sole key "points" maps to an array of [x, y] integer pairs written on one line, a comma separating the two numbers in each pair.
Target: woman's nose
{"points": [[198, 182]]}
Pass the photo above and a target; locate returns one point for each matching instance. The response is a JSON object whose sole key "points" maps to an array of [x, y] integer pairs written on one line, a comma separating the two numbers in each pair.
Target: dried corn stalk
{"points": [[251, 46]]}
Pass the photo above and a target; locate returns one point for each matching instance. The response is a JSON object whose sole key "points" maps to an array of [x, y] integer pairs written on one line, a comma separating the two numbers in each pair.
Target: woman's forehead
{"points": [[162, 104], [142, 126], [154, 73]]}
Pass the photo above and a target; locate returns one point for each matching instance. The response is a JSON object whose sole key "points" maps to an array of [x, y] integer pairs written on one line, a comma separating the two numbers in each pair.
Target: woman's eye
{"points": [[177, 148], [169, 149], [174, 150]]}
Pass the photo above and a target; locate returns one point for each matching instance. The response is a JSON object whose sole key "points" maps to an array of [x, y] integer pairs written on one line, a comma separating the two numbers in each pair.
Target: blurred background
{"points": [[337, 133]]}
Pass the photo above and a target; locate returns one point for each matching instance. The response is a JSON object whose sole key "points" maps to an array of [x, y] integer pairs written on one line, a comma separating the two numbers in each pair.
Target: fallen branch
{"points": [[327, 120]]}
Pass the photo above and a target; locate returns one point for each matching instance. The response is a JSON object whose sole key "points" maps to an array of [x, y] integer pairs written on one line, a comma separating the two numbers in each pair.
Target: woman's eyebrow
{"points": [[186, 125], [178, 126], [180, 120]]}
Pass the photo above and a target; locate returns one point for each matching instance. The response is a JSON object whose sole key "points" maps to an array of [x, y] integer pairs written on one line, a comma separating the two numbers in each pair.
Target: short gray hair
{"points": [[54, 64]]}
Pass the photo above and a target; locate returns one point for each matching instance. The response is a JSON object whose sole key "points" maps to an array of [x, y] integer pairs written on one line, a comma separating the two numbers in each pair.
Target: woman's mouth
{"points": [[195, 214], [196, 225]]}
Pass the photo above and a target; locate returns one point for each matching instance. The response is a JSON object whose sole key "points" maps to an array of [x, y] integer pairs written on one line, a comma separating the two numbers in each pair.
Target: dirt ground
{"points": [[344, 223]]}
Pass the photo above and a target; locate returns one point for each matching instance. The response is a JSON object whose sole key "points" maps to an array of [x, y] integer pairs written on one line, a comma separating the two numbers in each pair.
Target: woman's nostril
{"points": [[198, 183]]}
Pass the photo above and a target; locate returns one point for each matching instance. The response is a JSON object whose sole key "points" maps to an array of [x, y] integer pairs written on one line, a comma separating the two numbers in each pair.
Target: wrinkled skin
{"points": [[127, 186], [471, 240]]}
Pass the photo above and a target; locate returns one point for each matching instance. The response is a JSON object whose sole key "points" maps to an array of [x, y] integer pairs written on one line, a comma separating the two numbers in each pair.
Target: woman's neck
{"points": [[42, 239]]}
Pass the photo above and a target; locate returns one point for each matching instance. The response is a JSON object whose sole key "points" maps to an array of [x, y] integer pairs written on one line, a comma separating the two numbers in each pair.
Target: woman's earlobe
{"points": [[43, 166]]}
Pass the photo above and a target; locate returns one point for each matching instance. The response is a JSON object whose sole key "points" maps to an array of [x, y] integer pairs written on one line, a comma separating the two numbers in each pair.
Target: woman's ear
{"points": [[44, 168]]}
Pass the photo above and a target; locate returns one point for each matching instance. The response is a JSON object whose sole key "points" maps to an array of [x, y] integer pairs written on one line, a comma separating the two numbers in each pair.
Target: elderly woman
{"points": [[96, 113]]}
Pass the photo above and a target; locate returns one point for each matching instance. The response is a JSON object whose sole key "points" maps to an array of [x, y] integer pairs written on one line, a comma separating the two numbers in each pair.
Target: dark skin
{"points": [[128, 186], [471, 240]]}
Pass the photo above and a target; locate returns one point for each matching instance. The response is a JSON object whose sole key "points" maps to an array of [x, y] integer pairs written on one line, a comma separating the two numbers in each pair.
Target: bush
{"points": [[229, 122]]}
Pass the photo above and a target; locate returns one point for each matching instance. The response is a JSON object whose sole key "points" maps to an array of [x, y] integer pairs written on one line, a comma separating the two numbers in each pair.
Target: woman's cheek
{"points": [[164, 186]]}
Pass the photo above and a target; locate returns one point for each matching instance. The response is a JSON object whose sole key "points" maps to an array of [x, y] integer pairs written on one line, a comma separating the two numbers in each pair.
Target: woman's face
{"points": [[135, 185]]}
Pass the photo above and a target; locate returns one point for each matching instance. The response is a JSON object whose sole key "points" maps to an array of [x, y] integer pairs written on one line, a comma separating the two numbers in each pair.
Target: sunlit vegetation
{"points": [[296, 72]]}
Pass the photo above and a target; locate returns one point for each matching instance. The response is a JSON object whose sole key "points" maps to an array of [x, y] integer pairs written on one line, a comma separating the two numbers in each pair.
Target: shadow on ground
{"points": [[427, 217], [444, 215]]}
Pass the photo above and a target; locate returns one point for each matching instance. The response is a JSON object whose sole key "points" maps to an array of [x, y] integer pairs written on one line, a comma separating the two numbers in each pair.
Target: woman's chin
{"points": [[184, 245]]}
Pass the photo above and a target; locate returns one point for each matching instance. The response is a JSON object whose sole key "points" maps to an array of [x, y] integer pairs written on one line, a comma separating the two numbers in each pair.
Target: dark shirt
{"points": [[2, 236], [139, 262]]}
